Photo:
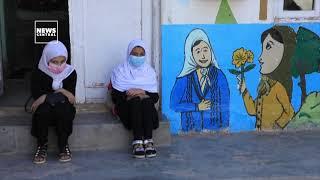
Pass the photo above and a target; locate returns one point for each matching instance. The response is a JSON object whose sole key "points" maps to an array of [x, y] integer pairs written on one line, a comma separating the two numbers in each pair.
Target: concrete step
{"points": [[94, 129]]}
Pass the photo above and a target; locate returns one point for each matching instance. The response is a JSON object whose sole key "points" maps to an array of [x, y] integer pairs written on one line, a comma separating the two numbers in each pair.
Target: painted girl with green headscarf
{"points": [[272, 107]]}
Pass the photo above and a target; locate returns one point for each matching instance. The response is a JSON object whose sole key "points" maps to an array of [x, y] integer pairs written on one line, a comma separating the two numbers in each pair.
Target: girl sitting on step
{"points": [[134, 93], [53, 88]]}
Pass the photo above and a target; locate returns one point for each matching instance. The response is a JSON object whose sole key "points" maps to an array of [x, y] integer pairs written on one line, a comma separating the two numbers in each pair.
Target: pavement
{"points": [[252, 155]]}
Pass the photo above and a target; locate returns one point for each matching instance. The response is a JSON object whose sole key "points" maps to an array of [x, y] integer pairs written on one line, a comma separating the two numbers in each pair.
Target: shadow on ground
{"points": [[290, 155]]}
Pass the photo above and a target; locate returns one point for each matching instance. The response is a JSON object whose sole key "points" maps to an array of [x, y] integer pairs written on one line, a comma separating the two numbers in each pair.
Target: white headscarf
{"points": [[125, 76], [51, 50], [190, 64]]}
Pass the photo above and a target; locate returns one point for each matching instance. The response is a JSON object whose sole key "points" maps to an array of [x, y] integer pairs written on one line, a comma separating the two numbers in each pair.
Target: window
{"points": [[294, 5], [297, 8]]}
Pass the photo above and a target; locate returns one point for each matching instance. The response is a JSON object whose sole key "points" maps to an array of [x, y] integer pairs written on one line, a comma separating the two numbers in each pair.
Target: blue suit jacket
{"points": [[186, 95]]}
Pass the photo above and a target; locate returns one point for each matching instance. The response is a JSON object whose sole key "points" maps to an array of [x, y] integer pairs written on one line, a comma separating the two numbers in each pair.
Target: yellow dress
{"points": [[271, 109]]}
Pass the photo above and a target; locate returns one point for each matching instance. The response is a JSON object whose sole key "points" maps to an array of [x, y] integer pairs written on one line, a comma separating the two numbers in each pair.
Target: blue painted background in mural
{"points": [[225, 39]]}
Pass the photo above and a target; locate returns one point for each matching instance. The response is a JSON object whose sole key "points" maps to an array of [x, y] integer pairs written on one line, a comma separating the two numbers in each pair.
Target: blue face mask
{"points": [[136, 61]]}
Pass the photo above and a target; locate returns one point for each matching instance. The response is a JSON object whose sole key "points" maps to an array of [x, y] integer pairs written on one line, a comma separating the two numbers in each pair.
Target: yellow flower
{"points": [[249, 56], [239, 57]]}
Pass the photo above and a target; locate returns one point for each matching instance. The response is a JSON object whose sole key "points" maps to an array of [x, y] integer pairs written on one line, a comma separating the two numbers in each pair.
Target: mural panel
{"points": [[240, 77]]}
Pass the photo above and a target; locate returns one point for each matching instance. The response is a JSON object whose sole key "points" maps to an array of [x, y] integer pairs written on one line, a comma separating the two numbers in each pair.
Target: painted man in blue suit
{"points": [[201, 93]]}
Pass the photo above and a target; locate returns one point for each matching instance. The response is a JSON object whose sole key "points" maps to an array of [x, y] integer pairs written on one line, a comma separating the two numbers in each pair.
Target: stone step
{"points": [[92, 130]]}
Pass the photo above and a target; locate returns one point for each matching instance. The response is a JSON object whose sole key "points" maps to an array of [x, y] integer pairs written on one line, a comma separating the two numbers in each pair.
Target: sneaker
{"points": [[149, 148], [65, 155], [40, 156], [138, 149]]}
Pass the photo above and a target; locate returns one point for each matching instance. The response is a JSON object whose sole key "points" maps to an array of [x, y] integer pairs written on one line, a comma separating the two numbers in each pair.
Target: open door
{"points": [[19, 54]]}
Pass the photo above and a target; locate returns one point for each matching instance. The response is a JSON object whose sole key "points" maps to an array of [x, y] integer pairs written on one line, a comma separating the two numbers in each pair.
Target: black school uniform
{"points": [[61, 115], [137, 114]]}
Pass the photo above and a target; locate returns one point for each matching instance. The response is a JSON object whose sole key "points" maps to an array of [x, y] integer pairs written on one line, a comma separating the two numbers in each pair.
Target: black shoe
{"points": [[40, 156], [149, 148], [138, 149], [65, 154]]}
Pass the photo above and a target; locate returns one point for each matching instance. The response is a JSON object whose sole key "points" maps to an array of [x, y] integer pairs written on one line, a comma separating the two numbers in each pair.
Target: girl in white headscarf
{"points": [[134, 93], [201, 93], [53, 88]]}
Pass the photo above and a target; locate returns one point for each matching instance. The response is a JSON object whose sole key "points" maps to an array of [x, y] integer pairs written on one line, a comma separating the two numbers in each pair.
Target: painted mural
{"points": [[241, 77], [306, 58], [225, 14], [308, 116], [240, 58], [201, 92], [272, 107], [305, 62]]}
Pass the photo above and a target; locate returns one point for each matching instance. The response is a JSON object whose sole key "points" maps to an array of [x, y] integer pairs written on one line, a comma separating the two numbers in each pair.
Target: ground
{"points": [[281, 155]]}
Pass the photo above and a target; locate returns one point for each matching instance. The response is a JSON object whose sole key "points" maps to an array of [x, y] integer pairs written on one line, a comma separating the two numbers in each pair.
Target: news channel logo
{"points": [[45, 31]]}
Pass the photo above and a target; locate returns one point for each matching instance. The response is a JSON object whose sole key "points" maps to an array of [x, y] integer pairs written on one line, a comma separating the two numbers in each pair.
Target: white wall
{"points": [[100, 31], [189, 11], [205, 11], [108, 30]]}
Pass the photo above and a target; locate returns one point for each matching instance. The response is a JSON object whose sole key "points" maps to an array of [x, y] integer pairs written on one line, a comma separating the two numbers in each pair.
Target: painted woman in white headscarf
{"points": [[201, 93], [135, 92], [53, 89]]}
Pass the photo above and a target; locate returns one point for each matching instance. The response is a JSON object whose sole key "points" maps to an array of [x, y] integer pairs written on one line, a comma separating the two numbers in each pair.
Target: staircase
{"points": [[95, 128]]}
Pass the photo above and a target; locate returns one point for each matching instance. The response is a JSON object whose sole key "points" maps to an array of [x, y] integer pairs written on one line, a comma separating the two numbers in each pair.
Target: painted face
{"points": [[202, 54], [271, 56]]}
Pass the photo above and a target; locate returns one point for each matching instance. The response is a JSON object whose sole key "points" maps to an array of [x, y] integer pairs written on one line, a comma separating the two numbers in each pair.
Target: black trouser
{"points": [[61, 116], [140, 115]]}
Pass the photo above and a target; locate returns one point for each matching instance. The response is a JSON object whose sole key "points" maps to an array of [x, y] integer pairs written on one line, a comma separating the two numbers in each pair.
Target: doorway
{"points": [[19, 55]]}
